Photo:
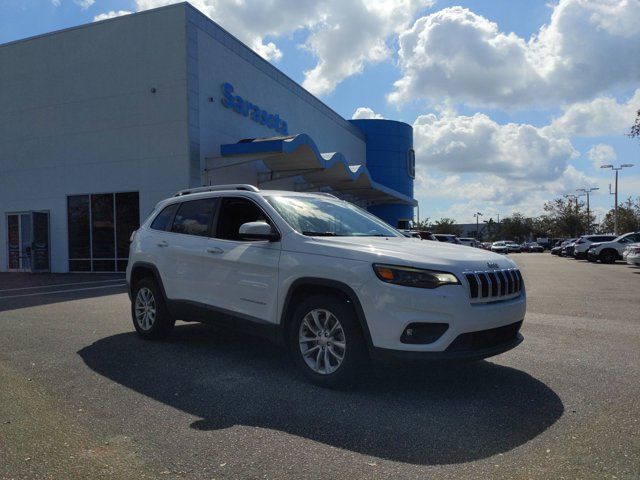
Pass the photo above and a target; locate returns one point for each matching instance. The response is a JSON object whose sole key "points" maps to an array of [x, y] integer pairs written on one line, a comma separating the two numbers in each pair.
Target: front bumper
{"points": [[467, 346], [592, 256], [390, 309]]}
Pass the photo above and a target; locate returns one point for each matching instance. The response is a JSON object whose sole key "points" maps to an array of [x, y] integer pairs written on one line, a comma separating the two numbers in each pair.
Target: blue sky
{"points": [[513, 102]]}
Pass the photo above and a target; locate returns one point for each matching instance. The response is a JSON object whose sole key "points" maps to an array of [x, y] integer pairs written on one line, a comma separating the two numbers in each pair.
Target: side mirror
{"points": [[258, 231]]}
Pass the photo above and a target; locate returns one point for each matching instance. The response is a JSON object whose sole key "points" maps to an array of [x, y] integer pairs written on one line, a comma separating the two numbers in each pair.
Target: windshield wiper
{"points": [[318, 234]]}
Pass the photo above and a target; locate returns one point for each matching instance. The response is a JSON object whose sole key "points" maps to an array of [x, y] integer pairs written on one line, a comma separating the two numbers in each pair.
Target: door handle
{"points": [[214, 250], [162, 244]]}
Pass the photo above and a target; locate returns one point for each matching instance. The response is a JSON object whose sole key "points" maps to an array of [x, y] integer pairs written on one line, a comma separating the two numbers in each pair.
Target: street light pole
{"points": [[477, 215], [587, 191], [615, 208]]}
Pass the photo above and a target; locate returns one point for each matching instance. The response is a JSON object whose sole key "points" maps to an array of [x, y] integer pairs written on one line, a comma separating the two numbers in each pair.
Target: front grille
{"points": [[485, 338], [494, 285]]}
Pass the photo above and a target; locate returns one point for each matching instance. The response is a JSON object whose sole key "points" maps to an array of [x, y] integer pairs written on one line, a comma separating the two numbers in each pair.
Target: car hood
{"points": [[409, 252], [595, 244]]}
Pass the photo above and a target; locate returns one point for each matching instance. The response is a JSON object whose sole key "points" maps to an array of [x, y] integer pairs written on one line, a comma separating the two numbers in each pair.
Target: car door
{"points": [[242, 275], [185, 249]]}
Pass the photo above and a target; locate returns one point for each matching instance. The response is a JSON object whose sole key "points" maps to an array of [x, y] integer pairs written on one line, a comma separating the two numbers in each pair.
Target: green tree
{"points": [[490, 230], [543, 226], [635, 129], [446, 225], [567, 219], [422, 224], [628, 217], [516, 227]]}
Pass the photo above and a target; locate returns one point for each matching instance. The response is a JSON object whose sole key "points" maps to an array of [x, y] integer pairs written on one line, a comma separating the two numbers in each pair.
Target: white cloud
{"points": [[268, 51], [352, 34], [585, 49], [491, 194], [476, 143], [55, 3], [84, 4], [479, 164], [343, 36], [601, 154], [365, 113], [601, 116], [111, 14]]}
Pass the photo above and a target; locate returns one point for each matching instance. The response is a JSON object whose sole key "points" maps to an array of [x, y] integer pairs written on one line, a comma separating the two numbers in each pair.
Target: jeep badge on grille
{"points": [[492, 265]]}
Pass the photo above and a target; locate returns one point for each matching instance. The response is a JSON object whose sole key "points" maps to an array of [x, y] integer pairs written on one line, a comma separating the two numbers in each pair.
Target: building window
{"points": [[411, 163], [99, 227]]}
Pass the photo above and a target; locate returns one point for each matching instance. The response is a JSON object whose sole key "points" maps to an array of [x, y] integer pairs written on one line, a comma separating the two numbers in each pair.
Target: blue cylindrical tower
{"points": [[391, 162]]}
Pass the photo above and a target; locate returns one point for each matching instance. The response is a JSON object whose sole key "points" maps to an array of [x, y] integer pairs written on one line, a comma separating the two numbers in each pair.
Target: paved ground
{"points": [[82, 397]]}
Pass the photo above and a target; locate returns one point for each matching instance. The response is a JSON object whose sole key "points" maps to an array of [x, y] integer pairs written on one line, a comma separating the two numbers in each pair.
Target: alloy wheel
{"points": [[145, 309], [322, 341]]}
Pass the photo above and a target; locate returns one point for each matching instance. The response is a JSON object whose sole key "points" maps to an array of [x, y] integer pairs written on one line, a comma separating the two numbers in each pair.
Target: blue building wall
{"points": [[388, 145]]}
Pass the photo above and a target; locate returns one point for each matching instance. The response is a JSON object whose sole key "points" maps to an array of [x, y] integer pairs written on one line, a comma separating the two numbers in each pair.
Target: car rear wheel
{"points": [[326, 341], [149, 312], [608, 256]]}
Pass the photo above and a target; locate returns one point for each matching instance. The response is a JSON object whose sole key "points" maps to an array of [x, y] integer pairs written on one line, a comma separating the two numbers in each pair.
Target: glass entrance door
{"points": [[28, 241]]}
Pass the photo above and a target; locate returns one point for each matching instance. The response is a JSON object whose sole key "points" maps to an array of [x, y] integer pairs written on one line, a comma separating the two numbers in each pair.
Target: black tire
{"points": [[608, 256], [163, 322], [354, 355]]}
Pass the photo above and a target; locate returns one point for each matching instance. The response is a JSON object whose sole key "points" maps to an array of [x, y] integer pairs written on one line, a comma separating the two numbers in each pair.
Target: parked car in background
{"points": [[582, 245], [557, 247], [485, 245], [470, 242], [447, 237], [557, 250], [532, 247], [632, 254], [409, 233], [609, 252], [567, 250], [514, 247], [500, 247], [421, 234], [424, 235]]}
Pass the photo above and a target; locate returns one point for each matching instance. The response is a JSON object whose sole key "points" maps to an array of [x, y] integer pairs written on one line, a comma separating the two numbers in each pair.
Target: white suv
{"points": [[332, 282], [609, 252], [582, 245]]}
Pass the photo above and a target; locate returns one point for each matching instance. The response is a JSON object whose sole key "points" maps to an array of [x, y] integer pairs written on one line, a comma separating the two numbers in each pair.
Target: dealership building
{"points": [[101, 121]]}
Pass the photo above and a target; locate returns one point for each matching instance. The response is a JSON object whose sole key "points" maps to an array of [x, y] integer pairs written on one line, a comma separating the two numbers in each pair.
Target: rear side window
{"points": [[163, 220], [194, 218], [634, 238]]}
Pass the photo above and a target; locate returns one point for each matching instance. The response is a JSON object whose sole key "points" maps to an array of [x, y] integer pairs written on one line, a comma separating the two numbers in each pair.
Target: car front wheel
{"points": [[608, 256], [326, 341]]}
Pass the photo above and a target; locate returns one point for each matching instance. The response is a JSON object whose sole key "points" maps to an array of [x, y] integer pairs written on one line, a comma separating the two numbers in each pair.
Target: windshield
{"points": [[330, 217]]}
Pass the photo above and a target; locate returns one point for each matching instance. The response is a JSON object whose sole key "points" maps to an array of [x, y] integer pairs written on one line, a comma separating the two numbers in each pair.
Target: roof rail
{"points": [[217, 188]]}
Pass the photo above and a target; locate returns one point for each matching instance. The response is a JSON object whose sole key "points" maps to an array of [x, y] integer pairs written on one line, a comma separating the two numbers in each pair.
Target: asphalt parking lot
{"points": [[82, 397]]}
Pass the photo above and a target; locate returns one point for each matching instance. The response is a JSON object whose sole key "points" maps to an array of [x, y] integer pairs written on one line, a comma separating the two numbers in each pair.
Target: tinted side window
{"points": [[233, 213], [161, 222], [194, 218]]}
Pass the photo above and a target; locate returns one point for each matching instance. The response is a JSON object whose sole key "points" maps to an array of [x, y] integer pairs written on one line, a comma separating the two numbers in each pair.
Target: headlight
{"points": [[414, 277]]}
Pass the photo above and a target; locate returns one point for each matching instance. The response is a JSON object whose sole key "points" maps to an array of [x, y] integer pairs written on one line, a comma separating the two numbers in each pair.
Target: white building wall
{"points": [[78, 117], [219, 58]]}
